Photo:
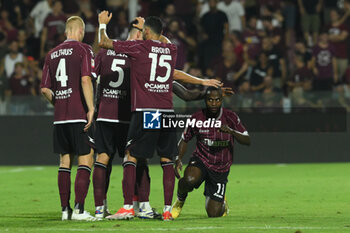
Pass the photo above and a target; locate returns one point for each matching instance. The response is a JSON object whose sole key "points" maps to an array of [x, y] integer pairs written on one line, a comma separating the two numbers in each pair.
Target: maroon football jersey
{"points": [[253, 42], [324, 63], [152, 67], [114, 87], [340, 47], [20, 86], [55, 29], [213, 147], [64, 66]]}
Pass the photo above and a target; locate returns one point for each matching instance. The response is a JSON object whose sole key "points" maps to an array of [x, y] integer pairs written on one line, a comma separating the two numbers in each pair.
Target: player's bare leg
{"points": [[168, 186], [129, 180], [64, 184], [82, 182], [100, 183], [191, 179], [214, 208]]}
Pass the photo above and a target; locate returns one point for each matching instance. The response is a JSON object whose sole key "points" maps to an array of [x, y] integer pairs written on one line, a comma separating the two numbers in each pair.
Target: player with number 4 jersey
{"points": [[66, 83], [61, 64]]}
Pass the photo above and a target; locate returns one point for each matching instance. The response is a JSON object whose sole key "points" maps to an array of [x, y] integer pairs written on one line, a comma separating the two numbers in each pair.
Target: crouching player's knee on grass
{"points": [[214, 208], [213, 156]]}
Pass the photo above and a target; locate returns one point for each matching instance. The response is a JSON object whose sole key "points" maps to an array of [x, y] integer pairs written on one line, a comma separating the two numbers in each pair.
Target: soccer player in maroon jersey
{"points": [[66, 83], [211, 160], [152, 68], [112, 123], [113, 117]]}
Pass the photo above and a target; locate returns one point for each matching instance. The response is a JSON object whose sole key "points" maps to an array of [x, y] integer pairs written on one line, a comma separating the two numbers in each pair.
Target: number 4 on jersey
{"points": [[61, 75]]}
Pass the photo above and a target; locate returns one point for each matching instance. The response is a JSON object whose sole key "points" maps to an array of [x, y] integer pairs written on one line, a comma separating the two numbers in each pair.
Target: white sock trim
{"points": [[167, 208], [128, 207], [145, 205]]}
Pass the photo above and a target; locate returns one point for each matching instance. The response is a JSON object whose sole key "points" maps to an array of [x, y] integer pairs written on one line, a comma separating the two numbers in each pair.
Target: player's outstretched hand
{"points": [[140, 22], [225, 129], [212, 83], [90, 117], [178, 168], [104, 17], [227, 91]]}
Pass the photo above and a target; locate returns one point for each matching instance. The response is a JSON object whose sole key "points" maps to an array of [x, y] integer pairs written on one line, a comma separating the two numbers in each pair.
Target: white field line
{"points": [[22, 169], [267, 227]]}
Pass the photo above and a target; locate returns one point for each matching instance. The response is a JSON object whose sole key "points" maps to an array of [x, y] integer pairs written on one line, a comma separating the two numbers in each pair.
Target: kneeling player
{"points": [[213, 156]]}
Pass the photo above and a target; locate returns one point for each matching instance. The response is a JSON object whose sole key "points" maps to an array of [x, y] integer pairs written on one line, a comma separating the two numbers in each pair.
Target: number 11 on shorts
{"points": [[221, 190]]}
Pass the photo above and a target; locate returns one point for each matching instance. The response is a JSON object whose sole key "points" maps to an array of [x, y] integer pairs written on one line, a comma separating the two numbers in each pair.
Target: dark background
{"points": [[276, 138]]}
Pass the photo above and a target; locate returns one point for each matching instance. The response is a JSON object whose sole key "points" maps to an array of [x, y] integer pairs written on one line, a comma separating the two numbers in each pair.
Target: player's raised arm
{"points": [[187, 78], [104, 42], [185, 94], [190, 95]]}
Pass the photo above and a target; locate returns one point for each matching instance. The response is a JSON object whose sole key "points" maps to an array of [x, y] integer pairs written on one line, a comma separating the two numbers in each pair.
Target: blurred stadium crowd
{"points": [[278, 55]]}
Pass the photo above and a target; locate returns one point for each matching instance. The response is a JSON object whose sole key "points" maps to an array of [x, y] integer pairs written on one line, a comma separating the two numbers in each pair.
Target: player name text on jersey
{"points": [[113, 53], [160, 50], [61, 52]]}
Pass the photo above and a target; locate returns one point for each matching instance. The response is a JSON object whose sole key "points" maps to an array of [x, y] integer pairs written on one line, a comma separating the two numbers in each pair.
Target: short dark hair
{"points": [[210, 89], [155, 24]]}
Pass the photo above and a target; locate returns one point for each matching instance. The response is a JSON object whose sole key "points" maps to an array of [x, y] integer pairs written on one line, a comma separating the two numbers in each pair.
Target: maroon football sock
{"points": [[99, 182], [168, 181], [143, 182], [82, 182], [108, 176], [64, 186], [129, 180]]}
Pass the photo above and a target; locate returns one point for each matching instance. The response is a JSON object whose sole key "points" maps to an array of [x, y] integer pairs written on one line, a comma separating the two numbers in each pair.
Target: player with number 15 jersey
{"points": [[153, 64], [152, 67]]}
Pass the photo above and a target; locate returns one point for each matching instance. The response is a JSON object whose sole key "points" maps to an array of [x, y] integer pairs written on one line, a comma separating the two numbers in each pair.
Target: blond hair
{"points": [[73, 23]]}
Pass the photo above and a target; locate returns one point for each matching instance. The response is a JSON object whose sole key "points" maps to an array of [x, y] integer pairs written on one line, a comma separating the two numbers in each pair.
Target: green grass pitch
{"points": [[262, 198]]}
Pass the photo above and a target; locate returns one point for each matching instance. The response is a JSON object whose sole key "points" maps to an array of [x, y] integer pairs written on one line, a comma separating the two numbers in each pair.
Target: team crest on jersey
{"points": [[151, 120]]}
